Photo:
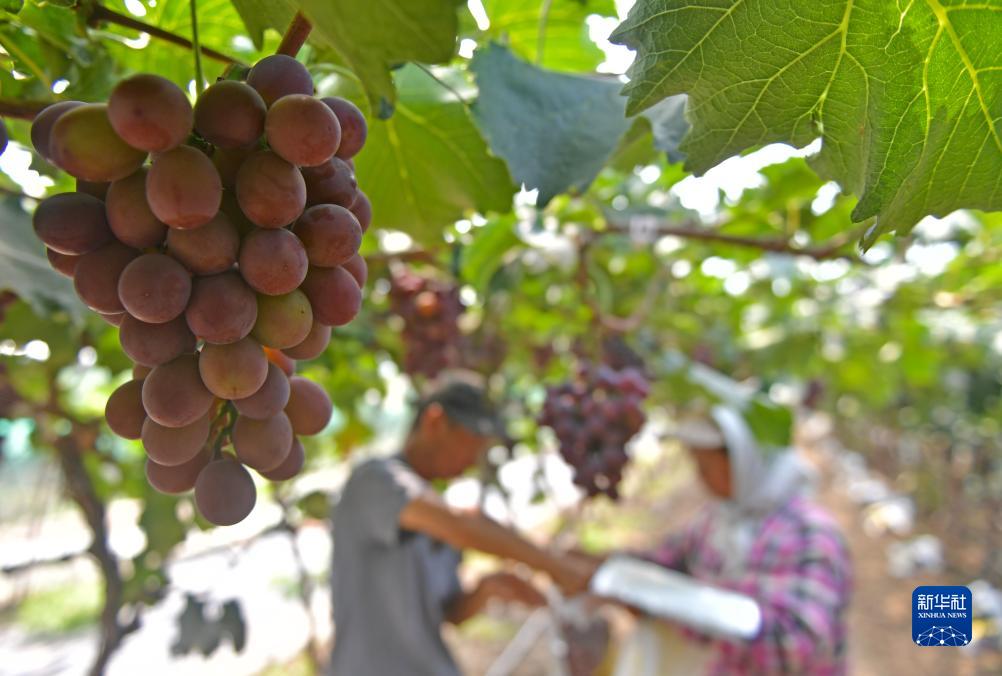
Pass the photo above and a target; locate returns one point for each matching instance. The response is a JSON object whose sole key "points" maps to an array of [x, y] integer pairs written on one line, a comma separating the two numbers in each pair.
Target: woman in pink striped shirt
{"points": [[765, 538]]}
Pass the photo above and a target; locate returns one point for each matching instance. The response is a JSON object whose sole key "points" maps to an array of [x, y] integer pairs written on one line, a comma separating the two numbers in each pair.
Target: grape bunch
{"points": [[594, 416], [3, 136], [227, 257], [430, 309]]}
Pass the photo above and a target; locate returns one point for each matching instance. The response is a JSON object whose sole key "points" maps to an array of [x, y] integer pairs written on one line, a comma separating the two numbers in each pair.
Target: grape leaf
{"points": [[260, 15], [556, 131], [635, 148], [427, 166], [906, 96], [25, 270], [374, 36], [565, 41]]}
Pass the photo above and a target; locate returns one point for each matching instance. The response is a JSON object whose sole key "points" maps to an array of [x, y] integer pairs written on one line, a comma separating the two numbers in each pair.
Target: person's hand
{"points": [[574, 572], [511, 588]]}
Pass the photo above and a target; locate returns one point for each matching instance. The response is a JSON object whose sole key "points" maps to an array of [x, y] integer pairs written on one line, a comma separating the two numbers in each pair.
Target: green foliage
{"points": [[375, 35], [482, 259], [218, 23], [428, 165], [560, 32], [554, 131], [903, 99]]}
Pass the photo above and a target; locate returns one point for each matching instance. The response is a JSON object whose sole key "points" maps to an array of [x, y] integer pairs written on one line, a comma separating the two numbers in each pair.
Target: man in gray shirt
{"points": [[397, 547]]}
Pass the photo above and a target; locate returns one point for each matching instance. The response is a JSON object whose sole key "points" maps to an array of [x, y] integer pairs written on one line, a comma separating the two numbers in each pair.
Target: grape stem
{"points": [[221, 427], [295, 35], [100, 13], [22, 110], [196, 49]]}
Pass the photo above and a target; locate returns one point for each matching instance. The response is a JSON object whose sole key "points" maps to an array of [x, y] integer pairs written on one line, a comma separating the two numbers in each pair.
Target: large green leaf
{"points": [[555, 131], [25, 270], [906, 96], [427, 166], [560, 30], [374, 36]]}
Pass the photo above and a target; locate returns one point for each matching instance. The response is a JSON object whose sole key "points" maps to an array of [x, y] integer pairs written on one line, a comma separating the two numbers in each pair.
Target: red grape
{"points": [[124, 411], [225, 492], [302, 130], [183, 188], [230, 114], [270, 399], [279, 75], [334, 295], [353, 126], [154, 288], [330, 234], [271, 192], [291, 466], [150, 112], [235, 370], [262, 444], [173, 393], [273, 261], [309, 408], [222, 308], [129, 214]]}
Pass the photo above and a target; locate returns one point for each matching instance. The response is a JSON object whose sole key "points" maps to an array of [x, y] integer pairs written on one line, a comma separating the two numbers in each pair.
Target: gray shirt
{"points": [[390, 586]]}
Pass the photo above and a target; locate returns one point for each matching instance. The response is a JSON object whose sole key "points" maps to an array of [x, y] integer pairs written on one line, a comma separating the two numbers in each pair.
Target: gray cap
{"points": [[467, 405]]}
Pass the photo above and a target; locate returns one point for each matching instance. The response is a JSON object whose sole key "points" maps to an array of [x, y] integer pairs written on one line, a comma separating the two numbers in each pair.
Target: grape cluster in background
{"points": [[227, 257], [430, 309], [594, 416]]}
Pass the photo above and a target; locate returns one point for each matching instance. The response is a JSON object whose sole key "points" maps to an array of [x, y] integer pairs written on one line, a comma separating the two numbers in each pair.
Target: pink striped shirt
{"points": [[798, 569]]}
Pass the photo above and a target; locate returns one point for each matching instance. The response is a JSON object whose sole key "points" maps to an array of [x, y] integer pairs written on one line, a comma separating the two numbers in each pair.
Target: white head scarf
{"points": [[762, 480]]}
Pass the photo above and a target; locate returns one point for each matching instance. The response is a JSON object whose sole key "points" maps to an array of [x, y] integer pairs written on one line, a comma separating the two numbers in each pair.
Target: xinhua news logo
{"points": [[941, 616]]}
